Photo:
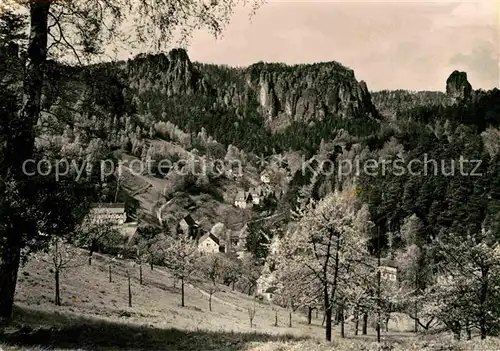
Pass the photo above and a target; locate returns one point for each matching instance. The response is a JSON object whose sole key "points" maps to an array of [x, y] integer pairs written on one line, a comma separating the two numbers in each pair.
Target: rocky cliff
{"points": [[457, 86], [306, 92], [171, 74], [292, 93]]}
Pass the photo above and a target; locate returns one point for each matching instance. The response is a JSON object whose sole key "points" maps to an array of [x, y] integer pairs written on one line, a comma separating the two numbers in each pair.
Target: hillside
{"points": [[278, 158], [88, 296], [95, 315], [158, 107], [91, 304]]}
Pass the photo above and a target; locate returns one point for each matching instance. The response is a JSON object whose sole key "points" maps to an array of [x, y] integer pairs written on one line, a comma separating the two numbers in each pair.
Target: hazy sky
{"points": [[389, 44]]}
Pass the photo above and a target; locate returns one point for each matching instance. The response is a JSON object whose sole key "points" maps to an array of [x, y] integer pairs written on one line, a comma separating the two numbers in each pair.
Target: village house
{"points": [[239, 248], [266, 284], [244, 199], [189, 226], [208, 244], [231, 240], [113, 215], [265, 177], [235, 240], [219, 230], [240, 200], [388, 270], [388, 273], [257, 194]]}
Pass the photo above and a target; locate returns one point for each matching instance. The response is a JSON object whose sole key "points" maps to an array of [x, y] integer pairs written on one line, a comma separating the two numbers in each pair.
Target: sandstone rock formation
{"points": [[457, 86], [305, 92]]}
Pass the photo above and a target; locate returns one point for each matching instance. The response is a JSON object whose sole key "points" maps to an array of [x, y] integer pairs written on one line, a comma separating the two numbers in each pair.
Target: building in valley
{"points": [[189, 226], [244, 199], [389, 273], [112, 215], [208, 244]]}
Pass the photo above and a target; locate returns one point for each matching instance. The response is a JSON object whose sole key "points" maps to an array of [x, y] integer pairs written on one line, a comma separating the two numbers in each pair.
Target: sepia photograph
{"points": [[249, 175]]}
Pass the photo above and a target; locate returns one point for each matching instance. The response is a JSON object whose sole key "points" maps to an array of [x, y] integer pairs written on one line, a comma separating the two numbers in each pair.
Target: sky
{"points": [[389, 44]]}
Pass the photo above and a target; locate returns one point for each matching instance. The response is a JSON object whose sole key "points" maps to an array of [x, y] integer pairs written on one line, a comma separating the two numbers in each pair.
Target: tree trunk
{"points": [[356, 322], [416, 303], [365, 323], [467, 330], [342, 323], [483, 300], [129, 290], [379, 291], [57, 299], [140, 274], [309, 315], [328, 327], [415, 328], [10, 258], [456, 330], [21, 147], [182, 291]]}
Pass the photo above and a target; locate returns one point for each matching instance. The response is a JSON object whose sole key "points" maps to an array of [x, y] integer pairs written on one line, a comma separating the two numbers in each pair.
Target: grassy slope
{"points": [[87, 293], [95, 315]]}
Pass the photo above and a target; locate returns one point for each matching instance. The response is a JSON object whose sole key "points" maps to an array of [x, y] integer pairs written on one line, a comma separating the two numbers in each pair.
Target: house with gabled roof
{"points": [[113, 215], [240, 199], [190, 226], [244, 199], [257, 194], [209, 243]]}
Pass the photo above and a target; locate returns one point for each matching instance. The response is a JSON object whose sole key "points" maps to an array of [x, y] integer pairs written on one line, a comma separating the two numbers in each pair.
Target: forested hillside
{"points": [[157, 107], [435, 184], [268, 109]]}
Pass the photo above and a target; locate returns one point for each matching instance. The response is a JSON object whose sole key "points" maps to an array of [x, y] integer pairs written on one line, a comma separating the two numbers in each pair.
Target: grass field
{"points": [[95, 316]]}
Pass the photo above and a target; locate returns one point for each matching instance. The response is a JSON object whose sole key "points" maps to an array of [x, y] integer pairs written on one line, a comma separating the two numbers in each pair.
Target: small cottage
{"points": [[189, 226], [265, 177], [209, 243], [112, 213], [244, 199], [388, 273], [240, 200]]}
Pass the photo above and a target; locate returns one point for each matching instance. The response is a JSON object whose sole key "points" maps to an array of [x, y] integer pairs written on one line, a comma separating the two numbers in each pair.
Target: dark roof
{"points": [[190, 221], [211, 236], [108, 204], [271, 290], [388, 262]]}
